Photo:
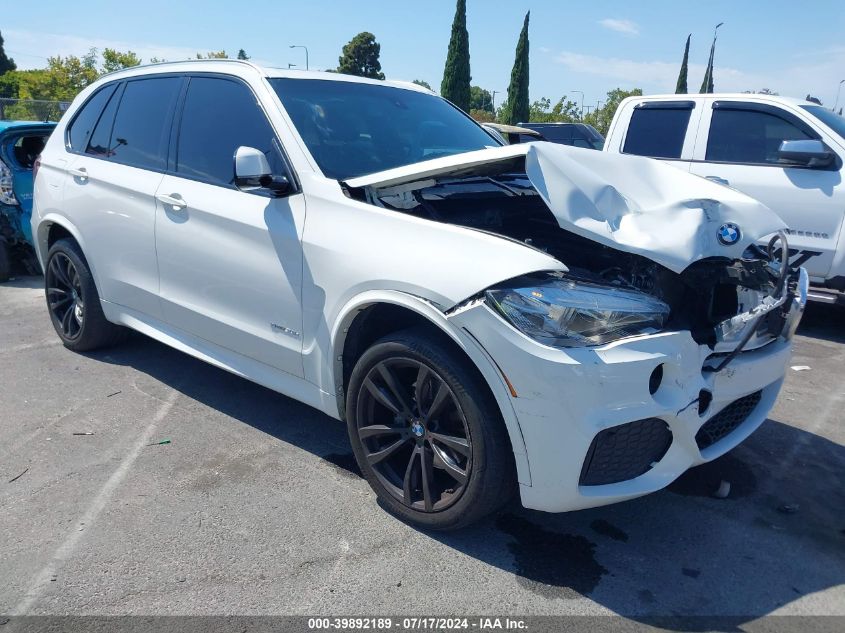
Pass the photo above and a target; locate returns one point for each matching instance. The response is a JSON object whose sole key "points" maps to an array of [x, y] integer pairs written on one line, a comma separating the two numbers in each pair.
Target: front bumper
{"points": [[567, 397]]}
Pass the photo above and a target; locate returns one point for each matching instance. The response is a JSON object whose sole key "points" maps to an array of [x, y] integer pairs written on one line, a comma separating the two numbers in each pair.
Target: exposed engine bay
{"points": [[705, 295]]}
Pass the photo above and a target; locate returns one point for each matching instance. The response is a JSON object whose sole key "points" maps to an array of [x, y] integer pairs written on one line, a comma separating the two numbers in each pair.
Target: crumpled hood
{"points": [[634, 204]]}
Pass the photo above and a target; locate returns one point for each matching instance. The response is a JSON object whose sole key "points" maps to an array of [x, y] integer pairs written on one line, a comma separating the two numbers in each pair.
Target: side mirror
{"points": [[809, 152], [252, 171]]}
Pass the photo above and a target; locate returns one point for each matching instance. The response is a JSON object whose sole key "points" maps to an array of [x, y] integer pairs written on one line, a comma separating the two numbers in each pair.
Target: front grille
{"points": [[625, 451], [727, 420]]}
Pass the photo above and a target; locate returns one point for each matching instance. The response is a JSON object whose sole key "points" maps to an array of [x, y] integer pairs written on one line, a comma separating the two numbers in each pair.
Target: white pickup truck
{"points": [[787, 153]]}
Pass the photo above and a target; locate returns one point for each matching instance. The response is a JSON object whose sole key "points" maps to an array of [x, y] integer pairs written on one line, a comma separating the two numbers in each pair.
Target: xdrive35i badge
{"points": [[729, 234]]}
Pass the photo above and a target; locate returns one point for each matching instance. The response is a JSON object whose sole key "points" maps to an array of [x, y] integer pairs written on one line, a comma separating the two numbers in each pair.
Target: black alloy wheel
{"points": [[64, 296], [427, 433], [73, 301], [414, 434]]}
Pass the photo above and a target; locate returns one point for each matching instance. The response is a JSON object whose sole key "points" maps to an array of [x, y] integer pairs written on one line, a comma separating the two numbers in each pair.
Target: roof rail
{"points": [[183, 61]]}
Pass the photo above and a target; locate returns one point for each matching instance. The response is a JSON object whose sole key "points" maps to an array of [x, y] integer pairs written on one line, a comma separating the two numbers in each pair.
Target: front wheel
{"points": [[427, 434]]}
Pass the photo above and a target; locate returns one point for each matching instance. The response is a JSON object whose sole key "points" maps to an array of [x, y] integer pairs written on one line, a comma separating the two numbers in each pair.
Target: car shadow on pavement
{"points": [[824, 322], [776, 538]]}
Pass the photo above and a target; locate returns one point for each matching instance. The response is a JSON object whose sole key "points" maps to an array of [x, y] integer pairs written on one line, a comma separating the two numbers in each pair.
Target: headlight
{"points": [[7, 193], [565, 312]]}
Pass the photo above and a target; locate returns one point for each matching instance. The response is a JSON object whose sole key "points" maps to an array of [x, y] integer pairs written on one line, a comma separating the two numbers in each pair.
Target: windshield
{"points": [[832, 120], [352, 129]]}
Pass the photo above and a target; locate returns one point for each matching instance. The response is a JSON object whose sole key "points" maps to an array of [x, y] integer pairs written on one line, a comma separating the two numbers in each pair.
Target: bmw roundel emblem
{"points": [[729, 234]]}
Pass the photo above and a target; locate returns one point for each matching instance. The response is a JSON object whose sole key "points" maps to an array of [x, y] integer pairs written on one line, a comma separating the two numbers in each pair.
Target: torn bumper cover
{"points": [[662, 408]]}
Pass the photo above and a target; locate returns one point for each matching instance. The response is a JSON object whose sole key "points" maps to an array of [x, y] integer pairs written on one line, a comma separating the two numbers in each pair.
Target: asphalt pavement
{"points": [[138, 480]]}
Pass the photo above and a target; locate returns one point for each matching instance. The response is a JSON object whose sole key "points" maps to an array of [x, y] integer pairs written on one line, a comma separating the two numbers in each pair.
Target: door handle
{"points": [[719, 179], [173, 200], [80, 173]]}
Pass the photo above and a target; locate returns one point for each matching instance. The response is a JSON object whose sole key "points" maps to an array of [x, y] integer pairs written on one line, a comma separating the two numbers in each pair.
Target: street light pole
{"points": [[581, 112], [838, 90], [307, 67], [493, 101]]}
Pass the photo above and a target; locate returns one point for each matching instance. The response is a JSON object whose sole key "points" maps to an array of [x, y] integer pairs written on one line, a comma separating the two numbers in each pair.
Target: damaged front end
{"points": [[662, 341], [647, 247]]}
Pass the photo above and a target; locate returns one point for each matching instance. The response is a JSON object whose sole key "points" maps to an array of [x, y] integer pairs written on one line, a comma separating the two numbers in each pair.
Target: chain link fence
{"points": [[31, 109]]}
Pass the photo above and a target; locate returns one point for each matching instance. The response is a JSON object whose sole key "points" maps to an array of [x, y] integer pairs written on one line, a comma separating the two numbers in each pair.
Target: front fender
{"points": [[332, 379]]}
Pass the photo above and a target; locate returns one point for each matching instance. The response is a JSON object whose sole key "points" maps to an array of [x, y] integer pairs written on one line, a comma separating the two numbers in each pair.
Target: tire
{"points": [[73, 302], [456, 436], [5, 261]]}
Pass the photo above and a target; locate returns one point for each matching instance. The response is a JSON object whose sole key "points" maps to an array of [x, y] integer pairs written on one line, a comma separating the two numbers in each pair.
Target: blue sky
{"points": [[791, 47]]}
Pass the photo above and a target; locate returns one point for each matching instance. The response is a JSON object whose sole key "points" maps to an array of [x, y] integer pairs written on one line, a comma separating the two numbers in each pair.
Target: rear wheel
{"points": [[73, 301], [426, 433]]}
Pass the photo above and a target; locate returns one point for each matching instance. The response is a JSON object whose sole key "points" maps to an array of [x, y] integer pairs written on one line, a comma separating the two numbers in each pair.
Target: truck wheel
{"points": [[427, 433], [73, 301]]}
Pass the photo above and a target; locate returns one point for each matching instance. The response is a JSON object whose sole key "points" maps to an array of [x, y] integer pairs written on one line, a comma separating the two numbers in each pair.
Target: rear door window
{"points": [[658, 129], [219, 116], [141, 130], [744, 134], [85, 120]]}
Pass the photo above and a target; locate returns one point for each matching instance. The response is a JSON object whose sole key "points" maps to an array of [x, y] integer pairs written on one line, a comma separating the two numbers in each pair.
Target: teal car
{"points": [[20, 144]]}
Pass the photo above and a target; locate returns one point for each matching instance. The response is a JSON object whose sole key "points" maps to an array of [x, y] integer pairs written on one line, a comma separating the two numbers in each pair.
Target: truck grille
{"points": [[727, 420], [625, 451]]}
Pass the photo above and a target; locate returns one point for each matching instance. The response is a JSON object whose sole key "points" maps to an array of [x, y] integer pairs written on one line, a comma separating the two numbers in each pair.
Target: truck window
{"points": [[747, 135], [657, 129]]}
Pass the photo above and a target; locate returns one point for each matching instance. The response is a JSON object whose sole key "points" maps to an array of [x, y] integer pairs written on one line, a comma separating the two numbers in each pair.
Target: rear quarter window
{"points": [[86, 118], [658, 130]]}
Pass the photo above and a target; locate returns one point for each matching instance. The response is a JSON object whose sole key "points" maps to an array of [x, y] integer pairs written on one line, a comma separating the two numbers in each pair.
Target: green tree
{"points": [[601, 118], [10, 84], [115, 60], [539, 111], [6, 63], [480, 99], [213, 55], [66, 77], [361, 57], [681, 87], [482, 116], [456, 76], [564, 111], [422, 83], [242, 55], [518, 107]]}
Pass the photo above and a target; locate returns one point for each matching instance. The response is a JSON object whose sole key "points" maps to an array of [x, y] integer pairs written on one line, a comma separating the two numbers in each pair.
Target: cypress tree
{"points": [[707, 82], [518, 107], [681, 88], [707, 86], [456, 77], [6, 63]]}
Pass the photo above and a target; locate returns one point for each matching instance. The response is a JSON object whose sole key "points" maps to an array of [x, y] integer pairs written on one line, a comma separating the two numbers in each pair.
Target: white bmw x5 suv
{"points": [[579, 325]]}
